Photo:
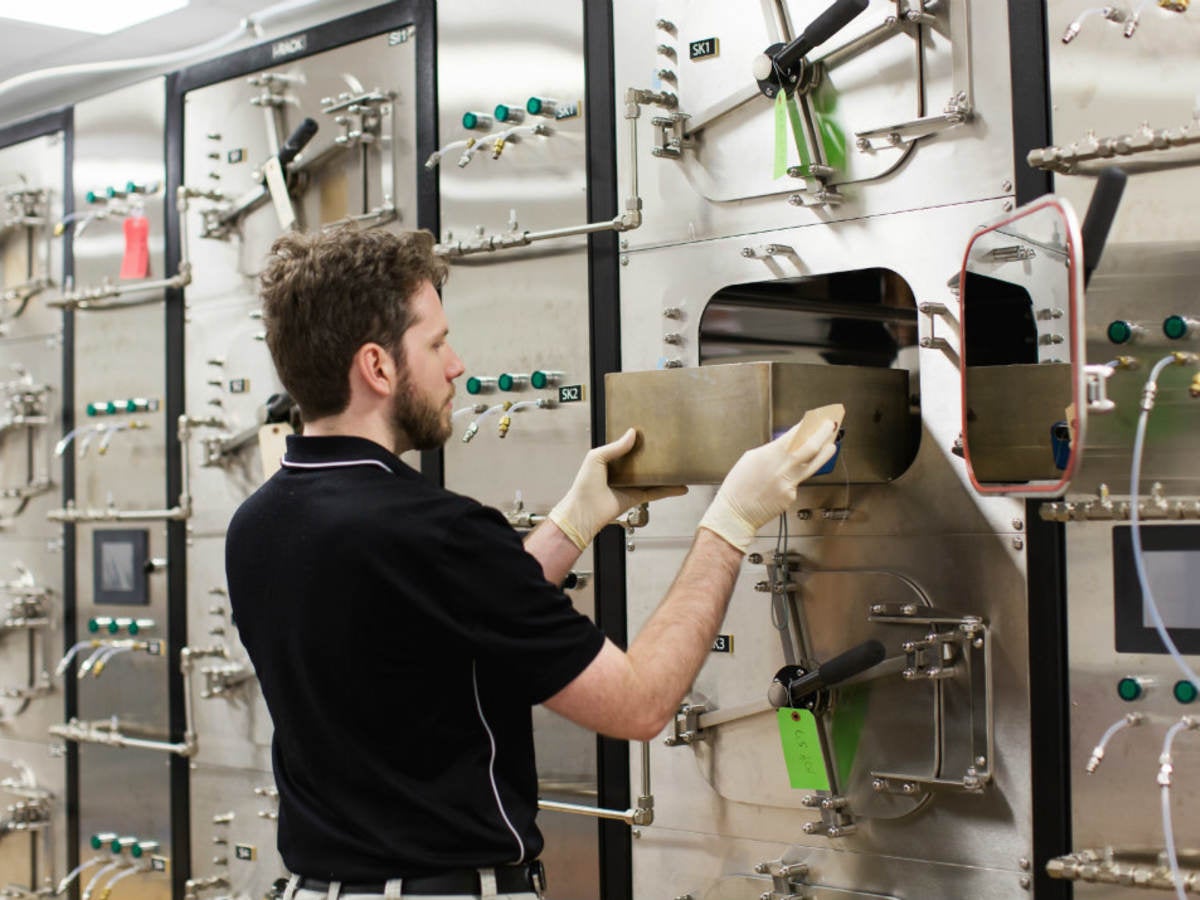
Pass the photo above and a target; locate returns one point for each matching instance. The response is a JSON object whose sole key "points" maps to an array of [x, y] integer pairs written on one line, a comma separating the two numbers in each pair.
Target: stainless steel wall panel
{"points": [[234, 727], [233, 829], [21, 853], [967, 163], [34, 164]]}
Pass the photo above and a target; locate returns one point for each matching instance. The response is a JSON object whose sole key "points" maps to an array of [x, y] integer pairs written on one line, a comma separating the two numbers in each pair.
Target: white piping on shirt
{"points": [[341, 464], [492, 769]]}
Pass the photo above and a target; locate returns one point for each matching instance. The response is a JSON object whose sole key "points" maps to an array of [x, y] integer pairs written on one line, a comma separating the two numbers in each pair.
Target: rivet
{"points": [[1018, 543], [1006, 186], [1025, 882], [1018, 524], [624, 260]]}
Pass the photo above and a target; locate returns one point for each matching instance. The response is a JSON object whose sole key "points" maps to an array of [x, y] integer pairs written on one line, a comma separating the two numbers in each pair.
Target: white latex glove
{"points": [[591, 504], [762, 484]]}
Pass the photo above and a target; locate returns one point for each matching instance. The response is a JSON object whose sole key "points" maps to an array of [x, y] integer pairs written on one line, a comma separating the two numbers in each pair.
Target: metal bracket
{"points": [[685, 727], [788, 880], [766, 251], [933, 310], [221, 680], [956, 644], [1096, 384], [956, 112], [671, 140]]}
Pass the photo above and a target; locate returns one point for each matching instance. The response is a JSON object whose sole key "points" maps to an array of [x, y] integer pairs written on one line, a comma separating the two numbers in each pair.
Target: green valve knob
{"points": [[136, 851], [93, 626], [1176, 327], [540, 379], [1120, 332], [134, 627], [1129, 689], [476, 120], [91, 409], [510, 382], [541, 106], [113, 627], [111, 192], [131, 406], [91, 197], [478, 385], [99, 840], [110, 408], [1185, 691]]}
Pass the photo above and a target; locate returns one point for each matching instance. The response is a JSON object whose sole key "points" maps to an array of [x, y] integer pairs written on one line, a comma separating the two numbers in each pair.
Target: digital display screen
{"points": [[116, 566], [1172, 558], [1173, 577], [119, 566]]}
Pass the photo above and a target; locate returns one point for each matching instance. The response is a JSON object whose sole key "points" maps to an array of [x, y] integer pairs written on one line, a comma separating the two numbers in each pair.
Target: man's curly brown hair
{"points": [[326, 294]]}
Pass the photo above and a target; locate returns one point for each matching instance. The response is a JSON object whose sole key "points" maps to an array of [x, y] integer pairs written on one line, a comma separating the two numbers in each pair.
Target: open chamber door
{"points": [[1024, 410]]}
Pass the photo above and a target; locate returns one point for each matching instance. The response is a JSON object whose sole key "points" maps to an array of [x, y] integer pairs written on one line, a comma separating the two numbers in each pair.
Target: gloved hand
{"points": [[591, 504], [762, 484]]}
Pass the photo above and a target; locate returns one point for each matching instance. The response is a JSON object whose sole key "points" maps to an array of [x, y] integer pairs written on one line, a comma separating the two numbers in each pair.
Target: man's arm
{"points": [[554, 550], [633, 695]]}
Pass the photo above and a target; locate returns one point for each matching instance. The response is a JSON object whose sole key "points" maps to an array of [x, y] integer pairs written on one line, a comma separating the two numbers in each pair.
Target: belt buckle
{"points": [[537, 877]]}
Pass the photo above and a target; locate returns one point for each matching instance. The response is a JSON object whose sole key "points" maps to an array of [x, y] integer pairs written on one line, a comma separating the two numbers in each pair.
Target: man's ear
{"points": [[374, 367]]}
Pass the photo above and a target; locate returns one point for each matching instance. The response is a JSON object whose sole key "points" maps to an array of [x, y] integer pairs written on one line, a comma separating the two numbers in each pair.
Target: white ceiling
{"points": [[26, 48]]}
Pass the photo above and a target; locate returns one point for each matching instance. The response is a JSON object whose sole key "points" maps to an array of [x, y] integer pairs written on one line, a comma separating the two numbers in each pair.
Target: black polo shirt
{"points": [[401, 635]]}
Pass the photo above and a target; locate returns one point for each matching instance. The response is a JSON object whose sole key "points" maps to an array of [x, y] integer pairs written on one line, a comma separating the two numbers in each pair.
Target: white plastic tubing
{"points": [[252, 24]]}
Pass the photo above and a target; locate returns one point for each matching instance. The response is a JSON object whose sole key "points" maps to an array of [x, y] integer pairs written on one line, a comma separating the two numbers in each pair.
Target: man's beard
{"points": [[425, 424]]}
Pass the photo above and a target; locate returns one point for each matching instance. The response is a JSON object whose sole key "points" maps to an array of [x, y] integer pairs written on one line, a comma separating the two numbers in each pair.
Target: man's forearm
{"points": [[553, 549], [672, 646]]}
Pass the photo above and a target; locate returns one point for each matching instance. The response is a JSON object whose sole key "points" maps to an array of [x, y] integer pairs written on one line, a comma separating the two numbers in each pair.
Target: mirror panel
{"points": [[1021, 294]]}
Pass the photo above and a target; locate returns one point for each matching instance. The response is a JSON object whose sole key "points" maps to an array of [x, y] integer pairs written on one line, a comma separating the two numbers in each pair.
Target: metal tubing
{"points": [[626, 816]]}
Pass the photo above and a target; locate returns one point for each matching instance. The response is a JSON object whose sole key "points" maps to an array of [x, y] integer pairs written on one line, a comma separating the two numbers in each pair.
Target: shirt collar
{"points": [[341, 448]]}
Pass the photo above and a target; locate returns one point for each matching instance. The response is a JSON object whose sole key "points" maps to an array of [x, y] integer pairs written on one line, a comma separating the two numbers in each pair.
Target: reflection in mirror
{"points": [[848, 327], [1020, 364]]}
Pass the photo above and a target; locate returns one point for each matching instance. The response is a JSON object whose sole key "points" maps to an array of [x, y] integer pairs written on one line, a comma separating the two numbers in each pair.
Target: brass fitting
{"points": [[505, 423], [498, 147], [1194, 388]]}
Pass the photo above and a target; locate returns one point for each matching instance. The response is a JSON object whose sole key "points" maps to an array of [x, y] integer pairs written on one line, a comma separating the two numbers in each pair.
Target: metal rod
{"points": [[595, 812]]}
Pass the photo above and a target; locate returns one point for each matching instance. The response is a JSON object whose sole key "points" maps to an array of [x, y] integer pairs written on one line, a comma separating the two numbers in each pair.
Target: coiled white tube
{"points": [[252, 24]]}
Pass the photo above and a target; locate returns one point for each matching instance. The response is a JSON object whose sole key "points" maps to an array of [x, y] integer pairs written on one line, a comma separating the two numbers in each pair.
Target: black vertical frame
{"points": [[1049, 701], [380, 20], [604, 321], [63, 121]]}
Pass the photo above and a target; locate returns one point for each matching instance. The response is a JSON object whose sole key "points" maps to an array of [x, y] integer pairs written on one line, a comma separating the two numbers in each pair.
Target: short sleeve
{"points": [[521, 624]]}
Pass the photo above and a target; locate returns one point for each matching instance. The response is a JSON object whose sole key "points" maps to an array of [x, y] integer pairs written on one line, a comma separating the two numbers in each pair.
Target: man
{"points": [[402, 633]]}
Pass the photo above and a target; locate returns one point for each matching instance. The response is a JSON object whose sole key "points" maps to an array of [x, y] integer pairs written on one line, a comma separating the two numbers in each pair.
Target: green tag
{"points": [[780, 136], [802, 749]]}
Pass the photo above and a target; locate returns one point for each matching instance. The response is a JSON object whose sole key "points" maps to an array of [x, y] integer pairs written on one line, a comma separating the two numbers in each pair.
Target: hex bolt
{"points": [[755, 559], [863, 144], [1006, 186]]}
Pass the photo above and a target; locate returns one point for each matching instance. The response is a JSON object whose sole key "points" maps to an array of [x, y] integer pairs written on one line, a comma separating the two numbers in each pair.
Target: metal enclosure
{"points": [[33, 790]]}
